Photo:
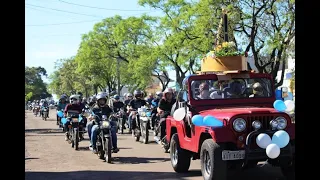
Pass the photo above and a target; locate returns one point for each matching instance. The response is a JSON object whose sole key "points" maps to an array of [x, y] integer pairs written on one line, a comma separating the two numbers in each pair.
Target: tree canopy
{"points": [[35, 88], [139, 48]]}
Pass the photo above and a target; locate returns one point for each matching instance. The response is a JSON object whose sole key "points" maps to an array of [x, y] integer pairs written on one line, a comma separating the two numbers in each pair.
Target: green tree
{"points": [[35, 88]]}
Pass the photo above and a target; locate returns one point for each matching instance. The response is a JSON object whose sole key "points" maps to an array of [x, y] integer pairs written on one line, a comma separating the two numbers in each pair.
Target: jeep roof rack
{"points": [[224, 72]]}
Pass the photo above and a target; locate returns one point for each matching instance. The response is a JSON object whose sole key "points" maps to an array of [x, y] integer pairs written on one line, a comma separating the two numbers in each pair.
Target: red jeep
{"points": [[245, 113]]}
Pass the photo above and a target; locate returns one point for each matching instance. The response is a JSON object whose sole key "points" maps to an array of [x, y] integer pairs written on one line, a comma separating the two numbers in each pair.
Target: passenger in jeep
{"points": [[235, 90], [204, 91], [257, 90], [164, 109]]}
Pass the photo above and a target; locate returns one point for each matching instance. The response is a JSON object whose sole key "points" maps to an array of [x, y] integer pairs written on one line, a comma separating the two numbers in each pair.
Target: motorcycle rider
{"points": [[45, 104], [154, 105], [134, 104], [117, 105], [164, 109], [101, 108], [93, 101], [61, 106], [150, 98], [74, 106]]}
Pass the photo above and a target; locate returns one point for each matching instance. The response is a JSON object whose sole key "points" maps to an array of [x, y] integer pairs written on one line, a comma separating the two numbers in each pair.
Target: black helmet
{"points": [[116, 97], [101, 96], [137, 93], [80, 94]]}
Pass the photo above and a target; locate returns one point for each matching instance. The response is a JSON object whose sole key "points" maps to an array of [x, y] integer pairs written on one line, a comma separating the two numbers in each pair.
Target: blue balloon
{"points": [[63, 120], [279, 105], [197, 120], [212, 121], [281, 138], [60, 114]]}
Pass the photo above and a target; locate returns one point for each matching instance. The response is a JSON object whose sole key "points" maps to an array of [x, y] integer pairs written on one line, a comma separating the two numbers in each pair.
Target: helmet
{"points": [[257, 89], [74, 98], [116, 97], [168, 90], [203, 86], [137, 93], [100, 96], [63, 96], [80, 94], [159, 94]]}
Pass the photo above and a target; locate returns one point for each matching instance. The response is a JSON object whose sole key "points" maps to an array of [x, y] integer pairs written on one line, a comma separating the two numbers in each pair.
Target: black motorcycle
{"points": [[36, 110], [104, 139], [45, 113], [75, 129]]}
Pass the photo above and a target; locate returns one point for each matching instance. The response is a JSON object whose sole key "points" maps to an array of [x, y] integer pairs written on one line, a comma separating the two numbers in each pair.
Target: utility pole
{"points": [[118, 75]]}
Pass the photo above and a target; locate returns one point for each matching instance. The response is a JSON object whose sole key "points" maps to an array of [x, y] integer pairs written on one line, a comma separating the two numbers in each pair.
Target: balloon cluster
{"points": [[284, 106], [198, 120], [280, 139], [63, 119]]}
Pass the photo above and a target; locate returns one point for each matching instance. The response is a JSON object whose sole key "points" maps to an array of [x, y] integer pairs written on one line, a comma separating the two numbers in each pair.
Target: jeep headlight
{"points": [[279, 123], [105, 124], [239, 124]]}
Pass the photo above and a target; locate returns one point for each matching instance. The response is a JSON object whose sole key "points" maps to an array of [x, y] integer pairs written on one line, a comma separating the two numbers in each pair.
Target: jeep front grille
{"points": [[265, 121]]}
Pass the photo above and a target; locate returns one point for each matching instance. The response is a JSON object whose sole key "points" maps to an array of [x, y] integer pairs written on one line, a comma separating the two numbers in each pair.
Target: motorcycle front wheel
{"points": [[108, 149], [76, 139]]}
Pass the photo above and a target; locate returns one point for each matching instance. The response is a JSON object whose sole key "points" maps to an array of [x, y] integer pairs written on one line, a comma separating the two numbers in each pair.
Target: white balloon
{"points": [[263, 140], [179, 114], [290, 105], [273, 151]]}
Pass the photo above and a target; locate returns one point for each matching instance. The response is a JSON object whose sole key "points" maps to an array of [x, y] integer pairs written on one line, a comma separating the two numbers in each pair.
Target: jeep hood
{"points": [[227, 113]]}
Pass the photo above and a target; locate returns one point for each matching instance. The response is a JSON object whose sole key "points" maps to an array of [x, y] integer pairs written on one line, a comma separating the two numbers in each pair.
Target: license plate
{"points": [[75, 120], [233, 155]]}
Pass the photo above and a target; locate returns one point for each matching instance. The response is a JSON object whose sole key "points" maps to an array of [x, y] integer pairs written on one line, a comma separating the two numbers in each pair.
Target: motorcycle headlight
{"points": [[143, 114], [105, 124], [279, 123], [239, 124]]}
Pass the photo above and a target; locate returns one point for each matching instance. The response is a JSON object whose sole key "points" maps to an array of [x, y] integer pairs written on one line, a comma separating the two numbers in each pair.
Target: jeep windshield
{"points": [[234, 88]]}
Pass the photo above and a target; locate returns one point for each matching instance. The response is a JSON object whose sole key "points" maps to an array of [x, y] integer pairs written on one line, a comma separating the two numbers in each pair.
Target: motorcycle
{"points": [[157, 130], [142, 128], [36, 110], [45, 113], [104, 138], [121, 121], [75, 128], [30, 107]]}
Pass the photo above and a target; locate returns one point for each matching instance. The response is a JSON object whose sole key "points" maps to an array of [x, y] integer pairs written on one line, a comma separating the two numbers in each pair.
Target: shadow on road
{"points": [[108, 175], [137, 175], [137, 160], [125, 148], [83, 148], [43, 131], [30, 158]]}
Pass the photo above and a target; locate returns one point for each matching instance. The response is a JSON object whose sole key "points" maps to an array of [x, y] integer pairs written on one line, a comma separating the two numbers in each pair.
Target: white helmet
{"points": [[74, 98]]}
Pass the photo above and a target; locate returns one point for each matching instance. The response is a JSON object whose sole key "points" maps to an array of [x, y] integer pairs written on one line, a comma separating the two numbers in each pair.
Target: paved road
{"points": [[49, 157]]}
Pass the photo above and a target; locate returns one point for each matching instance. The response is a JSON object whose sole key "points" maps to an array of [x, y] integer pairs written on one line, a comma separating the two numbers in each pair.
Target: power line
{"points": [[63, 23], [62, 10], [101, 7]]}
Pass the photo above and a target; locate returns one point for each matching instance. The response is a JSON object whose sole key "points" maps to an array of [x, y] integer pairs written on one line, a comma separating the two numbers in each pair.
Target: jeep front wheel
{"points": [[212, 165], [180, 158]]}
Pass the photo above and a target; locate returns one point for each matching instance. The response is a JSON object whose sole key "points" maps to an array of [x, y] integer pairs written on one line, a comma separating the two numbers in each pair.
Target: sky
{"points": [[53, 28]]}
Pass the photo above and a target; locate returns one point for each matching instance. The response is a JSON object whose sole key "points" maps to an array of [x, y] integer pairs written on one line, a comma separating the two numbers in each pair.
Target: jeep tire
{"points": [[180, 158], [212, 165]]}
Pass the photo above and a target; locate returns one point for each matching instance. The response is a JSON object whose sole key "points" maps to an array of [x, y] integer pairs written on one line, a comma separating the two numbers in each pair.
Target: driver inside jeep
{"points": [[204, 91]]}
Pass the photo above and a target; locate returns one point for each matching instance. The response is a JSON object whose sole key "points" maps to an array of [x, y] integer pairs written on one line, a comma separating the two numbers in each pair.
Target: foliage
{"points": [[139, 48], [226, 49], [35, 88]]}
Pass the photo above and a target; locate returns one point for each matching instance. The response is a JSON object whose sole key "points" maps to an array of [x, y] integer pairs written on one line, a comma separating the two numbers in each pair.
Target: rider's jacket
{"points": [[44, 105], [82, 105], [61, 106], [137, 103], [155, 102], [99, 111], [117, 105], [149, 100], [127, 101], [73, 107]]}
